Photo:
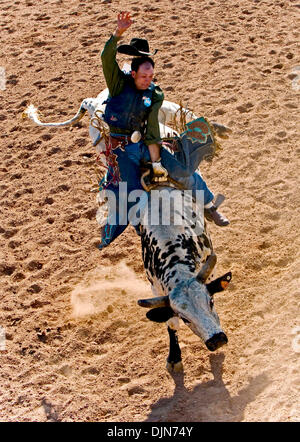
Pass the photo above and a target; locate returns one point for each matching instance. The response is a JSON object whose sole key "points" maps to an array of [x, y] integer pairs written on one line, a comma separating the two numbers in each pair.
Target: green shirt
{"points": [[115, 80]]}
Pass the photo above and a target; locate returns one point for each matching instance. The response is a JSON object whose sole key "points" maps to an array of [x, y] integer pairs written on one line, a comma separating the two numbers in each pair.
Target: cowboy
{"points": [[132, 116]]}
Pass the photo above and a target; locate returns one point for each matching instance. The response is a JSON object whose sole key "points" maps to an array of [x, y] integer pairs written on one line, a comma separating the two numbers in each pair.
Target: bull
{"points": [[179, 261]]}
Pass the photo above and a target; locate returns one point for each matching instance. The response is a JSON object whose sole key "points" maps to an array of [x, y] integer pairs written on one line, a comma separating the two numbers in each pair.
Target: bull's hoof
{"points": [[174, 367]]}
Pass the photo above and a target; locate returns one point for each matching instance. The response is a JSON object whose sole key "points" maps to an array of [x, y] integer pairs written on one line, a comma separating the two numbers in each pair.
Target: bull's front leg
{"points": [[174, 363]]}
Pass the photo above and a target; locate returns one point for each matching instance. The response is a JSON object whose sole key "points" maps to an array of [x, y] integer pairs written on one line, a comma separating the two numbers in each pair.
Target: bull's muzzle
{"points": [[216, 341]]}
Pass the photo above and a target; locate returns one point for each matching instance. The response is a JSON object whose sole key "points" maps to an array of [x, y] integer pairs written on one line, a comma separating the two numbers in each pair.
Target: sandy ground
{"points": [[78, 348]]}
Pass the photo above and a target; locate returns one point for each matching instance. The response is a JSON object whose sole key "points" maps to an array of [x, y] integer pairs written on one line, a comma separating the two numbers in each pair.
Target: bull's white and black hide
{"points": [[179, 262]]}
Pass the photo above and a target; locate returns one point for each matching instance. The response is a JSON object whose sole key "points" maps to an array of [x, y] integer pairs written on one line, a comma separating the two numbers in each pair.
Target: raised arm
{"points": [[112, 73]]}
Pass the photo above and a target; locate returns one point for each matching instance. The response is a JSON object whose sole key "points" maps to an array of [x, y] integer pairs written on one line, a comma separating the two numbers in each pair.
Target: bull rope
{"points": [[106, 158]]}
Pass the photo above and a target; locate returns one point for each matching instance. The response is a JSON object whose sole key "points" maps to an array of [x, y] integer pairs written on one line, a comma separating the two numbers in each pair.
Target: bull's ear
{"points": [[160, 314], [219, 284]]}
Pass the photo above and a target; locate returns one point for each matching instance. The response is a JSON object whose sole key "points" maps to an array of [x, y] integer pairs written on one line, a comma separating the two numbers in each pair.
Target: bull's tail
{"points": [[32, 113]]}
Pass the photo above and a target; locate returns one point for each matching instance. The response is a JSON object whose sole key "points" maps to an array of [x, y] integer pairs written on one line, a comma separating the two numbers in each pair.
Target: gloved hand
{"points": [[159, 170]]}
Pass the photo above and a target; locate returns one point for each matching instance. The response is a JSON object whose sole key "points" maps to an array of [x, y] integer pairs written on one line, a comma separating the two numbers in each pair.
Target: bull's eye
{"points": [[211, 303]]}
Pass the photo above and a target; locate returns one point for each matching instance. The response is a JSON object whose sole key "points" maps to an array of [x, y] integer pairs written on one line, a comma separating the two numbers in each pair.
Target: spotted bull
{"points": [[179, 261]]}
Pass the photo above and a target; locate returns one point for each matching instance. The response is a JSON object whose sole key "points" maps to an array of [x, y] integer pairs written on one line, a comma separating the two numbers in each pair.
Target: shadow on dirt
{"points": [[209, 401]]}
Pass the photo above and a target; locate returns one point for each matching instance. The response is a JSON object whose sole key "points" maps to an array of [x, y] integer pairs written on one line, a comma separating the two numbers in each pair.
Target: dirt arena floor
{"points": [[75, 345]]}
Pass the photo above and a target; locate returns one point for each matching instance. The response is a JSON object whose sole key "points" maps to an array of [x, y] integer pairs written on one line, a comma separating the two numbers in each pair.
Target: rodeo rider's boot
{"points": [[211, 214]]}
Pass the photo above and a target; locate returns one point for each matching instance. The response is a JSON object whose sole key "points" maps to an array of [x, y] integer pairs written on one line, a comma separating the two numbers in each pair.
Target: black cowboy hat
{"points": [[137, 47]]}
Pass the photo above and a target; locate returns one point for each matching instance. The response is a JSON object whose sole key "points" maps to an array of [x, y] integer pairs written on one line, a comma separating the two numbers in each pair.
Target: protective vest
{"points": [[129, 110]]}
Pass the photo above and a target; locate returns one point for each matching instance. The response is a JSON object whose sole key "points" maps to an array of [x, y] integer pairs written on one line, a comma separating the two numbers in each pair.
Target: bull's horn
{"points": [[159, 301], [207, 268], [221, 130], [32, 113]]}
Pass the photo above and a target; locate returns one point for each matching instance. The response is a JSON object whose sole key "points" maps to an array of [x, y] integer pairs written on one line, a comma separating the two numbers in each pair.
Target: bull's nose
{"points": [[216, 341]]}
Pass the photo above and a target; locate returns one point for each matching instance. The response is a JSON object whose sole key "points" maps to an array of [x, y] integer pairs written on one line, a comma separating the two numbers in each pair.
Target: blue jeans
{"points": [[194, 181], [129, 161]]}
